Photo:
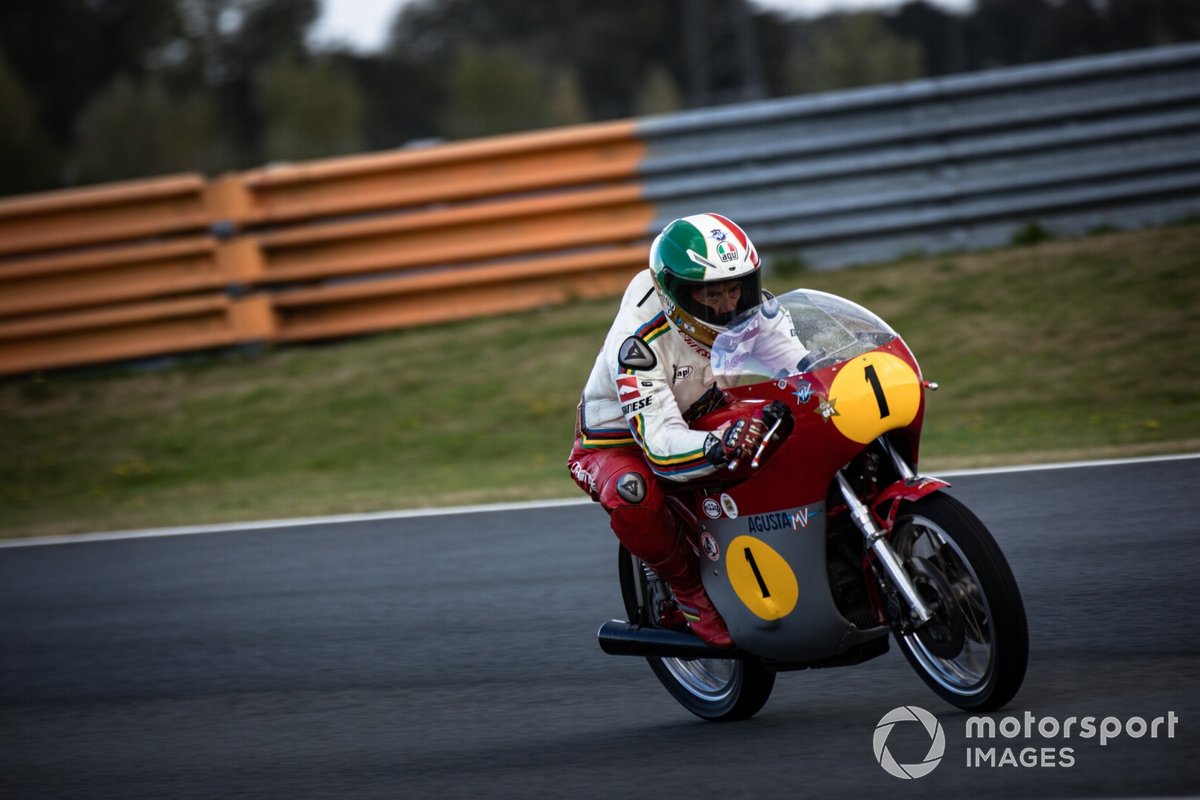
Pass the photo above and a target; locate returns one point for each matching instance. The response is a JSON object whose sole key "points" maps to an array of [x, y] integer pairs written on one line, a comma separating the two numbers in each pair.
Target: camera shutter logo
{"points": [[937, 745]]}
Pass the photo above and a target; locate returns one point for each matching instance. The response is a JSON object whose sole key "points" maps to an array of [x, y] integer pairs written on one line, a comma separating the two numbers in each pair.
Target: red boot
{"points": [[681, 571], [652, 534]]}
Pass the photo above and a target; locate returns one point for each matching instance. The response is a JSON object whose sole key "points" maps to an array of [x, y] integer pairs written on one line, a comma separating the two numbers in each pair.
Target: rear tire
{"points": [[974, 652], [715, 689]]}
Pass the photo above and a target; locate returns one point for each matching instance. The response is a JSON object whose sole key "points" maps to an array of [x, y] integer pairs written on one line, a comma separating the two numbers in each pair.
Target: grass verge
{"points": [[1064, 350]]}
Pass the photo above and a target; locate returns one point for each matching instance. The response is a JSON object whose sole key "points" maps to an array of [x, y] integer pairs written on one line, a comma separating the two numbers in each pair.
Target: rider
{"points": [[652, 378]]}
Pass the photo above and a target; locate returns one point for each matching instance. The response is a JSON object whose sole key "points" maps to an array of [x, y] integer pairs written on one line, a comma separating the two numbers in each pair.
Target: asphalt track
{"points": [[454, 656]]}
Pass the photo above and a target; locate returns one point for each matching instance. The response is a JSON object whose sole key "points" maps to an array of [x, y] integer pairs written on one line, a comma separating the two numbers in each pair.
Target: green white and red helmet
{"points": [[702, 250]]}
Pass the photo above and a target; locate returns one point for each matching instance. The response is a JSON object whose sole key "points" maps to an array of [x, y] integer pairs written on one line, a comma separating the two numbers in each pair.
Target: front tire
{"points": [[974, 652], [715, 689]]}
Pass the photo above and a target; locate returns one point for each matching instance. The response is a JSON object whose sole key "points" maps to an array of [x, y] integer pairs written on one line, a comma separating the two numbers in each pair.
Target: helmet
{"points": [[703, 250]]}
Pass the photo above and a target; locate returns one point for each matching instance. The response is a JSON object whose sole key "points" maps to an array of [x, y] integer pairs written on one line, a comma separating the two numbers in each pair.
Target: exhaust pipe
{"points": [[618, 638]]}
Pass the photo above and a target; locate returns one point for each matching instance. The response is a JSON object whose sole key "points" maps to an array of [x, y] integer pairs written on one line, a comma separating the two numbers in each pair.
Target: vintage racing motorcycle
{"points": [[833, 541]]}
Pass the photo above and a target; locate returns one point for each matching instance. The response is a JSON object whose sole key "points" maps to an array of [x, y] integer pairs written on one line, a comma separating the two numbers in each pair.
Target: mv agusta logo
{"points": [[930, 728]]}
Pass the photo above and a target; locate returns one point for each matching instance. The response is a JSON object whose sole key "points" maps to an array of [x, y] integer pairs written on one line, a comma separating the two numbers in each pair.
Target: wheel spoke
{"points": [[969, 669], [708, 679]]}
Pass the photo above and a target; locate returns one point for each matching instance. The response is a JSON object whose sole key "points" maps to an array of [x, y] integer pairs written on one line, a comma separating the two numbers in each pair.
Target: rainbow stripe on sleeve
{"points": [[602, 437], [668, 466], [656, 327]]}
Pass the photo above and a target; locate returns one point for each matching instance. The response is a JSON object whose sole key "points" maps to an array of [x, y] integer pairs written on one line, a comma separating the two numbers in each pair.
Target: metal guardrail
{"points": [[100, 276], [953, 163], [329, 248], [110, 213], [364, 243], [449, 173], [453, 295], [134, 330]]}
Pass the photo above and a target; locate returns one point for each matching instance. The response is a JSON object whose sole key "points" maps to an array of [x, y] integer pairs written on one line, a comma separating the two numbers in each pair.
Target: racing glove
{"points": [[737, 442]]}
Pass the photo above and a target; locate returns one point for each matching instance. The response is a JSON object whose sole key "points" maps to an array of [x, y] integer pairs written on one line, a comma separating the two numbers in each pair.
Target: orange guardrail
{"points": [[454, 236], [454, 295], [454, 172], [134, 330], [109, 213], [85, 278], [328, 248]]}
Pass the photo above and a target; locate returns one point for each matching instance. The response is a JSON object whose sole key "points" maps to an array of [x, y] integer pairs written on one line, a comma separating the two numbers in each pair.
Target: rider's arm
{"points": [[777, 346], [673, 450]]}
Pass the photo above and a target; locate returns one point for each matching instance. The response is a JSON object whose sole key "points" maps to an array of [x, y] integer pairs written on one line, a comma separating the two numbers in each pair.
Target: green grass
{"points": [[1061, 350]]}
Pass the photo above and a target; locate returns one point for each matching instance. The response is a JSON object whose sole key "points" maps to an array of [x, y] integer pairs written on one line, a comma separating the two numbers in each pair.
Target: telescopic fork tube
{"points": [[877, 541]]}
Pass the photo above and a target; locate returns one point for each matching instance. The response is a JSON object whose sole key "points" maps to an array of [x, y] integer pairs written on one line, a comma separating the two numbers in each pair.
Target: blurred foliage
{"points": [[1029, 234], [173, 132], [98, 90], [309, 110], [852, 50], [659, 94], [498, 90], [24, 155]]}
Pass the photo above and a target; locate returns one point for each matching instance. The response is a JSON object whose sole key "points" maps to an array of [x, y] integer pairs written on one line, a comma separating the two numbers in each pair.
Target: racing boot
{"points": [[651, 533], [681, 571]]}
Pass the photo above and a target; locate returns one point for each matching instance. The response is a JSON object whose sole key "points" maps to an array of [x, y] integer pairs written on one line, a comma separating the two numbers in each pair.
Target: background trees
{"points": [[98, 90]]}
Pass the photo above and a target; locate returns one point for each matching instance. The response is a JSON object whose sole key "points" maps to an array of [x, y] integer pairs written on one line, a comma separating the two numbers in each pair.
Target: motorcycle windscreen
{"points": [[801, 331]]}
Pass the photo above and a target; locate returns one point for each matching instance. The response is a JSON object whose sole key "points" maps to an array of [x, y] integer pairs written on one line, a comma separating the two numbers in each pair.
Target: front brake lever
{"points": [[762, 446], [774, 415]]}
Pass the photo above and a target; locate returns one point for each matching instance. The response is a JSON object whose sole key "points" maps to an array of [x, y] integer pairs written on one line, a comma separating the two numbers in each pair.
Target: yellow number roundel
{"points": [[873, 394], [761, 577]]}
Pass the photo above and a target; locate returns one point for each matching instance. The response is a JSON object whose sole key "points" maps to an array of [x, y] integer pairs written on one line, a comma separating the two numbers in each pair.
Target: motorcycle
{"points": [[829, 542]]}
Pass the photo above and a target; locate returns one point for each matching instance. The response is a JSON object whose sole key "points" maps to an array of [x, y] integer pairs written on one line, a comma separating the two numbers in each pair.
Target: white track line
{"points": [[523, 506], [1110, 462]]}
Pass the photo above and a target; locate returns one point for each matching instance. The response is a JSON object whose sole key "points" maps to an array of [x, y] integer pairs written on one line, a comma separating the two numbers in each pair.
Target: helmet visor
{"points": [[716, 303]]}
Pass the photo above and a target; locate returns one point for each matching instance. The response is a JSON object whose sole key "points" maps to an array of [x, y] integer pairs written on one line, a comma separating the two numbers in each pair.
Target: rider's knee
{"points": [[634, 488]]}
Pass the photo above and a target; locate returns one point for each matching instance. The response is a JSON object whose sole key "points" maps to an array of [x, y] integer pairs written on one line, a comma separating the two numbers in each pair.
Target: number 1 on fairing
{"points": [[880, 397], [758, 575]]}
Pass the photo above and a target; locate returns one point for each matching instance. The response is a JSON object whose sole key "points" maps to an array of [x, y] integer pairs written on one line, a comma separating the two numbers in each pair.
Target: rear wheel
{"points": [[715, 689], [974, 651]]}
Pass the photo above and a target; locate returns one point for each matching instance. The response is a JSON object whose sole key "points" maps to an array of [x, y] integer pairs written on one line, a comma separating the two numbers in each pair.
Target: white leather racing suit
{"points": [[649, 382]]}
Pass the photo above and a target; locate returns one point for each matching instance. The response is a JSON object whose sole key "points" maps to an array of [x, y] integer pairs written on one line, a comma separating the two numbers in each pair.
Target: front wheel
{"points": [[974, 651], [715, 689]]}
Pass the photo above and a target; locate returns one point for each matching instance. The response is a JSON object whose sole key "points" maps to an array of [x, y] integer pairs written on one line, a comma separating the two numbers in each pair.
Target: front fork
{"points": [[876, 537]]}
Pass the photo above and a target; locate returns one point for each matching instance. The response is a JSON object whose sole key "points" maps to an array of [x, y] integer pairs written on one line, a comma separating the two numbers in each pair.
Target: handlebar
{"points": [[774, 415]]}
